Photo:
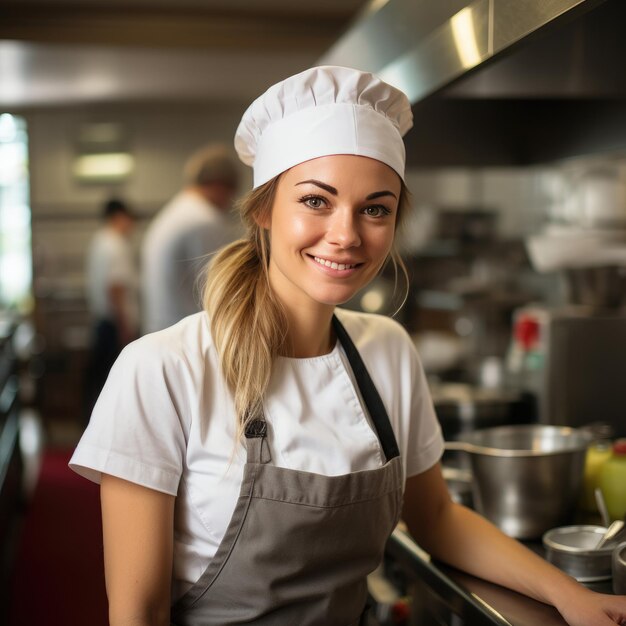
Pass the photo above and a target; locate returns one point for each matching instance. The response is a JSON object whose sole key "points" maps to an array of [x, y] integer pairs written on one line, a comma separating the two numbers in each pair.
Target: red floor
{"points": [[58, 577]]}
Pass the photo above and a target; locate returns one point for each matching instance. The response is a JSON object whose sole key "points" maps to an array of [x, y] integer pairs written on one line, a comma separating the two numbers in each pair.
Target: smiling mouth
{"points": [[334, 265]]}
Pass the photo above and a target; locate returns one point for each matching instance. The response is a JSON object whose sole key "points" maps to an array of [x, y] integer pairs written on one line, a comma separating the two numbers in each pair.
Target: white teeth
{"points": [[333, 265]]}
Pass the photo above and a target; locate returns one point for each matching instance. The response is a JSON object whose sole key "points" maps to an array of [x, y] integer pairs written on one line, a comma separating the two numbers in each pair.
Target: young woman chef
{"points": [[254, 458]]}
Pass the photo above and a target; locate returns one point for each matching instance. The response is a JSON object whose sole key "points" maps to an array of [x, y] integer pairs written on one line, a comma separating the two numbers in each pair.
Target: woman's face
{"points": [[331, 228]]}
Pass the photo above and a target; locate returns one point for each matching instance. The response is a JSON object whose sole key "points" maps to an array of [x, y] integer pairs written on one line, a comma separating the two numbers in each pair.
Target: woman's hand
{"points": [[467, 541], [587, 608]]}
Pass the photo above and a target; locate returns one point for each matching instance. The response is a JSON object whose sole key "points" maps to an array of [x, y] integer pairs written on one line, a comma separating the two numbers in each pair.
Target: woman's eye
{"points": [[314, 202], [377, 210]]}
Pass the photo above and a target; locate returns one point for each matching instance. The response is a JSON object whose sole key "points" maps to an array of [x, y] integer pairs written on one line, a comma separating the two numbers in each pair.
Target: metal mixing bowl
{"points": [[572, 549], [527, 479]]}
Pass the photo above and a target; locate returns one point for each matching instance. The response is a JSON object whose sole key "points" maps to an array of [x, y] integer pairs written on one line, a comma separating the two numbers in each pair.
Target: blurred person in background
{"points": [[195, 223], [112, 294]]}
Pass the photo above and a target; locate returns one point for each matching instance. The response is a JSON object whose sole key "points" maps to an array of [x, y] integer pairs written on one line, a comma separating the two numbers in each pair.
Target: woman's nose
{"points": [[343, 230]]}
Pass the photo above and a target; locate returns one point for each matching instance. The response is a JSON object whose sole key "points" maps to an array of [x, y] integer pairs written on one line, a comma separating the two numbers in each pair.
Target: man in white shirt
{"points": [[112, 294], [193, 225]]}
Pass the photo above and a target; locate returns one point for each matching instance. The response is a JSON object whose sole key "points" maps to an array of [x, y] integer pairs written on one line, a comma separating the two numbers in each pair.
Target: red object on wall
{"points": [[527, 331]]}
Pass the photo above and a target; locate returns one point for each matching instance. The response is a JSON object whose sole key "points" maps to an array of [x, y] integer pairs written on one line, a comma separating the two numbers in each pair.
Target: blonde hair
{"points": [[248, 323]]}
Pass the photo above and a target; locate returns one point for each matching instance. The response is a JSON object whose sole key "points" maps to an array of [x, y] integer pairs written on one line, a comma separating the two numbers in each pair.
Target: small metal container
{"points": [[572, 549], [619, 569]]}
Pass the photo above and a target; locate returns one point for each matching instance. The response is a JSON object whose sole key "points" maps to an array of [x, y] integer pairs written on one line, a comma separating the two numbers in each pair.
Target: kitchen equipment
{"points": [[619, 569], [611, 535], [604, 513], [463, 408], [573, 550], [580, 359], [527, 478], [459, 483], [597, 287]]}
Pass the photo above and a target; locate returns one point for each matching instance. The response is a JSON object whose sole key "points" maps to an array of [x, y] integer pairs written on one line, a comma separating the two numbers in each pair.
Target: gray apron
{"points": [[300, 545]]}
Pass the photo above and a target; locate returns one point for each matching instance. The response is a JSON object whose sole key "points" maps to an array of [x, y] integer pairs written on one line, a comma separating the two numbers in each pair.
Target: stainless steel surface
{"points": [[604, 513], [463, 408], [573, 549], [515, 19], [527, 479], [524, 441], [432, 44], [619, 569], [459, 483], [597, 287], [456, 46], [611, 535], [585, 361], [471, 70], [467, 606]]}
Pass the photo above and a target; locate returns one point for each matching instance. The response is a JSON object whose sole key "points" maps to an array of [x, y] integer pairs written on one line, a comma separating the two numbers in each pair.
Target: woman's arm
{"points": [[138, 545], [467, 541]]}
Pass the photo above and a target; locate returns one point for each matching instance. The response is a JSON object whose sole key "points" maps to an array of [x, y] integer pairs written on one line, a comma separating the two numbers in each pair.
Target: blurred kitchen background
{"points": [[516, 250]]}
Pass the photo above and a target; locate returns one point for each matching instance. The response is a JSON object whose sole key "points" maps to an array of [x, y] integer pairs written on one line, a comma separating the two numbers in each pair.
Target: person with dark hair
{"points": [[112, 294], [194, 224]]}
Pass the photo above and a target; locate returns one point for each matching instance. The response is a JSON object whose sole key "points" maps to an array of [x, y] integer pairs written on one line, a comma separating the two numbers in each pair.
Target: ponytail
{"points": [[248, 324]]}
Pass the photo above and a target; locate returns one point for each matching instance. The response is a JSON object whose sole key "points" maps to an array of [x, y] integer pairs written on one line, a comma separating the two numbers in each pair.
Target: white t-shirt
{"points": [[165, 420], [110, 262], [174, 253]]}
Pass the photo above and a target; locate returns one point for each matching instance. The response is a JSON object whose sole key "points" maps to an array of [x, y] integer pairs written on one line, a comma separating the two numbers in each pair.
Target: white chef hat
{"points": [[322, 111]]}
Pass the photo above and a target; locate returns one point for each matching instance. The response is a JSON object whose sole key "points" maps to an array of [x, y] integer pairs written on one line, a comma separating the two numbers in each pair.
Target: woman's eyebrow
{"points": [[320, 184], [333, 191], [380, 194]]}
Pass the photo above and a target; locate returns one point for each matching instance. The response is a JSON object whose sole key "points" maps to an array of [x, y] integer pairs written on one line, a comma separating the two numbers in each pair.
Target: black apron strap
{"points": [[368, 390]]}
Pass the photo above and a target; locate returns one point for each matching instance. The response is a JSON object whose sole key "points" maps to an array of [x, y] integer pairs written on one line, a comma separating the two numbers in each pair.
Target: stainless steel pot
{"points": [[573, 549], [459, 483], [527, 479], [619, 569]]}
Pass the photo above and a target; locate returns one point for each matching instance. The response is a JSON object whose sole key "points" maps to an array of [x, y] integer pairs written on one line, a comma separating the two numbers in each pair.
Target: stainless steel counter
{"points": [[443, 595]]}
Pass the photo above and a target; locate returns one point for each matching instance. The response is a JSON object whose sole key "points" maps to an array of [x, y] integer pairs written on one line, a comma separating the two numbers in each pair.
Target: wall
{"points": [[65, 215], [518, 195]]}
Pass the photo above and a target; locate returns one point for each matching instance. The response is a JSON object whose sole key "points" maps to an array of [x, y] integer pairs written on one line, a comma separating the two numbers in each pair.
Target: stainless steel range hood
{"points": [[497, 82]]}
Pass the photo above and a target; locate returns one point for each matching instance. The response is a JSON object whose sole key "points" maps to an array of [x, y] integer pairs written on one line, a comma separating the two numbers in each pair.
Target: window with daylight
{"points": [[15, 224]]}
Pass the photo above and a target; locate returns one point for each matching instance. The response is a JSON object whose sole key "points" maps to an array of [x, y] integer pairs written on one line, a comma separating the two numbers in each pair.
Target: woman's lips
{"points": [[334, 267]]}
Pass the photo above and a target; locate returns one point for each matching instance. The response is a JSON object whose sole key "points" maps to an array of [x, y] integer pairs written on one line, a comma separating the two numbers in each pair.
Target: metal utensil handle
{"points": [[606, 520], [459, 446], [611, 533]]}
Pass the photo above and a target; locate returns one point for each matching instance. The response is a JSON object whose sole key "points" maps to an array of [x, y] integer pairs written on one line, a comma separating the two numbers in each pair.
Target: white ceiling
{"points": [[58, 53]]}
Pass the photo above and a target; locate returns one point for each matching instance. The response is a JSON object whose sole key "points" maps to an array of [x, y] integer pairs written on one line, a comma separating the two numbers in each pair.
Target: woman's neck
{"points": [[310, 331]]}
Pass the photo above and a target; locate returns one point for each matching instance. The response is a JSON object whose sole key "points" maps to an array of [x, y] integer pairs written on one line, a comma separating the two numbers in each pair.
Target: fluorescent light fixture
{"points": [[465, 37], [104, 166]]}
